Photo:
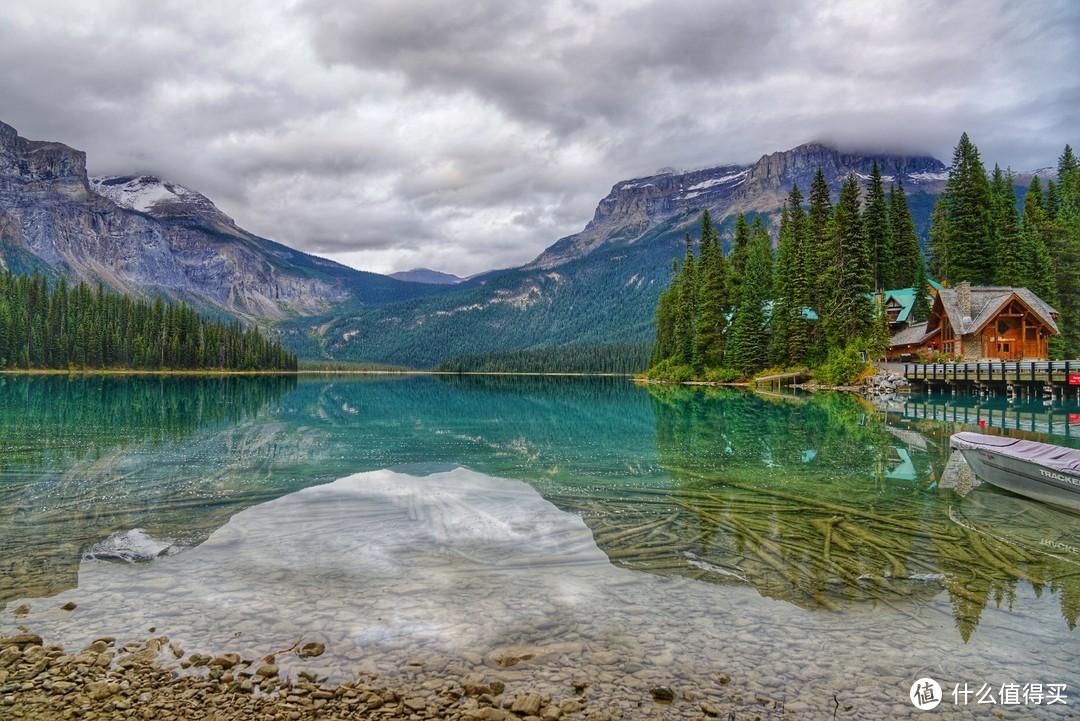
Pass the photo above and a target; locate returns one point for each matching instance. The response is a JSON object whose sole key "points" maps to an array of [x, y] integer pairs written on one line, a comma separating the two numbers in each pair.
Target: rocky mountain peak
{"points": [[25, 161], [781, 170], [635, 206], [158, 198], [9, 137]]}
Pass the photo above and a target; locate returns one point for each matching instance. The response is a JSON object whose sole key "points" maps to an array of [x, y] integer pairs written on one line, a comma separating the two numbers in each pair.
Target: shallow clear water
{"points": [[543, 529]]}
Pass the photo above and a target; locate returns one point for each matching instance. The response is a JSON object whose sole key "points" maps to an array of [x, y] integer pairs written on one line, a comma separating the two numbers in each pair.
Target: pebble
{"points": [[106, 681]]}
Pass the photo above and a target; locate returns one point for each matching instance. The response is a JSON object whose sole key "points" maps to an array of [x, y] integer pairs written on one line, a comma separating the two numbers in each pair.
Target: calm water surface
{"points": [[816, 551]]}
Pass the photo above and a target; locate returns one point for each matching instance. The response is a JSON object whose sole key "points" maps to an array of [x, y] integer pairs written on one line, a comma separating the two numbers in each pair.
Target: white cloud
{"points": [[395, 133]]}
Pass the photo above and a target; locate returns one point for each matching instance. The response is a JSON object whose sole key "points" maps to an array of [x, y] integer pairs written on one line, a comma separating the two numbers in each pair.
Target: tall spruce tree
{"points": [[910, 266], [1063, 210], [686, 307], [1040, 269], [712, 297], [747, 350], [739, 246], [938, 244], [780, 318], [791, 329], [879, 238], [1011, 267], [664, 347], [1069, 174], [849, 310], [963, 233], [819, 253]]}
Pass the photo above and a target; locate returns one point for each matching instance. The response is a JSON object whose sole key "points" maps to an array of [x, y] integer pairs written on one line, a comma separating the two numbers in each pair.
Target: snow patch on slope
{"points": [[927, 175], [140, 193], [740, 177]]}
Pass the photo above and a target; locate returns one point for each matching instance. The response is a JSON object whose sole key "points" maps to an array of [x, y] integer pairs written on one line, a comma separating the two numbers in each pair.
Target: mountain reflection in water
{"points": [[820, 512]]}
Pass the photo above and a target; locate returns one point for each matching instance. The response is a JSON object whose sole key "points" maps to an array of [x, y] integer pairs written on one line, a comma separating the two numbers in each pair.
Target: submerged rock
{"points": [[132, 546]]}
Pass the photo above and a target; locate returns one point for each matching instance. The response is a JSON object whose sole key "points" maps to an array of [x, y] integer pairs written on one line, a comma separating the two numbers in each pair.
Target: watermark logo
{"points": [[925, 694]]}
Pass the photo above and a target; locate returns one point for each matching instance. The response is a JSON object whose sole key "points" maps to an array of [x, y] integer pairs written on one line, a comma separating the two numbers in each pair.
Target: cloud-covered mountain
{"points": [[142, 235], [600, 285], [426, 275]]}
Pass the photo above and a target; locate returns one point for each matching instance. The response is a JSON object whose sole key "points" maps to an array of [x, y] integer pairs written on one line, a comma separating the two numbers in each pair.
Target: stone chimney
{"points": [[963, 299]]}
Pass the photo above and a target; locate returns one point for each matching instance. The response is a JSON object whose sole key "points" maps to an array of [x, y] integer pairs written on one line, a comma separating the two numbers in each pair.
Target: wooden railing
{"points": [[1053, 372]]}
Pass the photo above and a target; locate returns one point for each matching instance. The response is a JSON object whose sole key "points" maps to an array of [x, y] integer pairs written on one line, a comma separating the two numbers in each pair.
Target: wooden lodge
{"points": [[974, 323]]}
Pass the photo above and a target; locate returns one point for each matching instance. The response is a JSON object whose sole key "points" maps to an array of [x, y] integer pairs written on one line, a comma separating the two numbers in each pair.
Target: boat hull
{"points": [[1003, 467]]}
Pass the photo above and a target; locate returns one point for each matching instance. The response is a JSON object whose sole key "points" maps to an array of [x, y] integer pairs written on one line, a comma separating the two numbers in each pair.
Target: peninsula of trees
{"points": [[81, 328], [811, 304]]}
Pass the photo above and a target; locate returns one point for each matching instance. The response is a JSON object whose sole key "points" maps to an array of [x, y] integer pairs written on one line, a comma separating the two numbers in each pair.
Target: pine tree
{"points": [[1069, 175], [791, 331], [747, 350], [1011, 268], [849, 311], [738, 257], [819, 251], [879, 233], [712, 297], [964, 228], [1064, 248], [801, 288], [664, 347], [910, 267], [879, 331], [686, 308], [939, 242], [780, 319]]}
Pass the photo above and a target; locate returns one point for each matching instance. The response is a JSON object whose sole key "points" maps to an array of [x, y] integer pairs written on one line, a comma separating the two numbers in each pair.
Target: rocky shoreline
{"points": [[153, 679]]}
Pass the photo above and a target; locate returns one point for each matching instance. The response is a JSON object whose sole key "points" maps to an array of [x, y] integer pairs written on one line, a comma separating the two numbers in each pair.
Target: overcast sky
{"points": [[464, 135]]}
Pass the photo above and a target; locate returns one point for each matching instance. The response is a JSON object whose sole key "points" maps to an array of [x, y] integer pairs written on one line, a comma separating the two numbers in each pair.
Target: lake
{"points": [[811, 555]]}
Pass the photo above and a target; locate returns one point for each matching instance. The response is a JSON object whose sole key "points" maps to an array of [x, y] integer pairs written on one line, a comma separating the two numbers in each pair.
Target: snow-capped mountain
{"points": [[143, 236], [158, 198]]}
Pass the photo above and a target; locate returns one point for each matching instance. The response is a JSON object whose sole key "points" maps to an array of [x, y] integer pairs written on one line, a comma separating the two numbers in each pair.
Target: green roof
{"points": [[905, 297]]}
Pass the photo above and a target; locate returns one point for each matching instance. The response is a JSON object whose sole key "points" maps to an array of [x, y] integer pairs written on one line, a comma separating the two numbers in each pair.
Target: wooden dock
{"points": [[1047, 379], [785, 379]]}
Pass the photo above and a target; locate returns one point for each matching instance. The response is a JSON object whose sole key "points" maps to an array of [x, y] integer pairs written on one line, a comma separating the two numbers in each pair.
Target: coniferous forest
{"points": [[64, 327], [811, 303], [981, 234]]}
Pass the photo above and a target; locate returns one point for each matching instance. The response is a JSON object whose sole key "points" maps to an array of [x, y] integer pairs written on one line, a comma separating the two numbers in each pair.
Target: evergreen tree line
{"points": [[981, 233], [43, 419], [82, 328], [621, 358], [729, 317]]}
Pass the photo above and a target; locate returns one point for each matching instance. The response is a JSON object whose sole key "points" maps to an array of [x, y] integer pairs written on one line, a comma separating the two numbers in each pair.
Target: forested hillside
{"points": [[811, 302], [981, 234], [82, 328]]}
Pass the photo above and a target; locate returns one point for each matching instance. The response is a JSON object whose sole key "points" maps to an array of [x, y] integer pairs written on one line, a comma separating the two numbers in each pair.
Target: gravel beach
{"points": [[154, 679]]}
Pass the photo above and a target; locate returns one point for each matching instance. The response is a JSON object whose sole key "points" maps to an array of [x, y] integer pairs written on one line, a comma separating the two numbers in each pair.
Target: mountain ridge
{"points": [[55, 219], [143, 235], [635, 205], [426, 275], [600, 285]]}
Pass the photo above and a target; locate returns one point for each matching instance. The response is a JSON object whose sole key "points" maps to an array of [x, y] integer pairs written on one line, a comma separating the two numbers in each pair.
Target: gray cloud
{"points": [[469, 135]]}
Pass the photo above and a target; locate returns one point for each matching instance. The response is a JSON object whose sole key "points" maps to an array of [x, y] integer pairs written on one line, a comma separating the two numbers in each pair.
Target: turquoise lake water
{"points": [[810, 549]]}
